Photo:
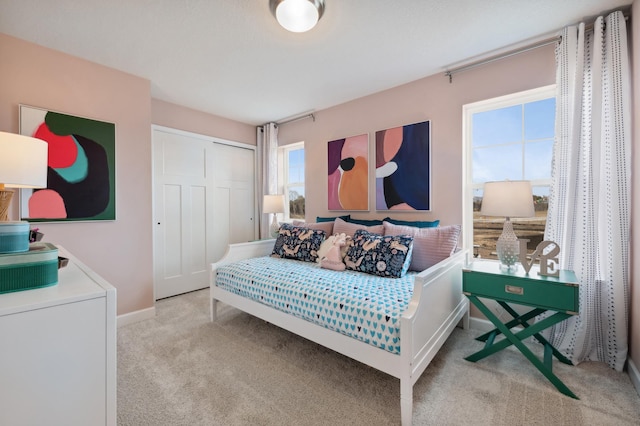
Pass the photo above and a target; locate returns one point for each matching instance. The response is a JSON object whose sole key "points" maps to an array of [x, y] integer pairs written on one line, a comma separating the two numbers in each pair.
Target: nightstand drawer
{"points": [[557, 294]]}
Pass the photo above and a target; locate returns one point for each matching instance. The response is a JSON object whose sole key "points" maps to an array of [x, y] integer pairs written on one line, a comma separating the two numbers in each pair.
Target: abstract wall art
{"points": [[81, 168], [348, 177], [403, 167]]}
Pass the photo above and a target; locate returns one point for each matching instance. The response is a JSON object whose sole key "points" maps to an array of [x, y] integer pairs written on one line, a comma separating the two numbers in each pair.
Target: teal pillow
{"points": [[331, 219], [415, 223], [365, 222]]}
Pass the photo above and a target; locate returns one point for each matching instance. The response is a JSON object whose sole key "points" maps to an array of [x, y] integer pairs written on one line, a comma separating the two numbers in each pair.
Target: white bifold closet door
{"points": [[204, 199]]}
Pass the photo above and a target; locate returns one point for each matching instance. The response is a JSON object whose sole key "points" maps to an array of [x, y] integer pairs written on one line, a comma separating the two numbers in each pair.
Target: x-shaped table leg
{"points": [[516, 339]]}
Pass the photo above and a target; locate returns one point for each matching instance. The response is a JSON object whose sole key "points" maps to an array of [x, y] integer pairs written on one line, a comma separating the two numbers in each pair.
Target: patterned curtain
{"points": [[267, 169], [589, 202]]}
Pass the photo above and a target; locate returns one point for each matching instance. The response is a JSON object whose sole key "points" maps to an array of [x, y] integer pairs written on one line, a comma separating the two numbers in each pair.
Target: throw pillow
{"points": [[430, 245], [324, 226], [365, 222], [340, 226], [331, 219], [415, 223], [295, 242], [385, 256]]}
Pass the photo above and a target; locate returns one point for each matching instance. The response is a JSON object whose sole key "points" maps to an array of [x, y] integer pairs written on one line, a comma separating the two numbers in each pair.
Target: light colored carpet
{"points": [[181, 369]]}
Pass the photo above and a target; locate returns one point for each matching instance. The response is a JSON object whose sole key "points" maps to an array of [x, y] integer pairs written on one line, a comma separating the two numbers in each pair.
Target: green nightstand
{"points": [[485, 279]]}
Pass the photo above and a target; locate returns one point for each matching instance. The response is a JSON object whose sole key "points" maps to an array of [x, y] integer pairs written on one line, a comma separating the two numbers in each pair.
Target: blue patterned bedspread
{"points": [[356, 304]]}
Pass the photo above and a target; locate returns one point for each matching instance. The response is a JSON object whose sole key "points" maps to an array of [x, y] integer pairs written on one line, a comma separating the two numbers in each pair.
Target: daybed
{"points": [[434, 306]]}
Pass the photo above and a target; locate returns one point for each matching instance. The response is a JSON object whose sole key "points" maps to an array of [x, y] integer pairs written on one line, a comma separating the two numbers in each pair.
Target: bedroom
{"points": [[121, 251]]}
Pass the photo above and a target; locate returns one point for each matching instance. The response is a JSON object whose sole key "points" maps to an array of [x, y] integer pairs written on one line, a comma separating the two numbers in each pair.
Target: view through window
{"points": [[294, 181], [512, 138]]}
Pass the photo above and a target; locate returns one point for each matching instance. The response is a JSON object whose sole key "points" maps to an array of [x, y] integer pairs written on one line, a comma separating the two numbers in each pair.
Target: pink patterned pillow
{"points": [[430, 245], [322, 226], [340, 226]]}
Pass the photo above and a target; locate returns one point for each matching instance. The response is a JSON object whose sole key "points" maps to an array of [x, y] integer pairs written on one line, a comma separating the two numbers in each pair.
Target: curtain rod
{"points": [[545, 42], [290, 120], [310, 115]]}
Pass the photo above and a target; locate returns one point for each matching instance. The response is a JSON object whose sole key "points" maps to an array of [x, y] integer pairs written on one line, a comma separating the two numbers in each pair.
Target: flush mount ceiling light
{"points": [[297, 16]]}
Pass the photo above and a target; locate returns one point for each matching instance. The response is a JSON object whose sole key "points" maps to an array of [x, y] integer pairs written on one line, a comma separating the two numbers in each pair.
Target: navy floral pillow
{"points": [[386, 256], [299, 243]]}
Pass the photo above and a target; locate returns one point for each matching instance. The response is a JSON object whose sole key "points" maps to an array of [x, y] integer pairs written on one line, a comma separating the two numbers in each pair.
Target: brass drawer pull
{"points": [[514, 290]]}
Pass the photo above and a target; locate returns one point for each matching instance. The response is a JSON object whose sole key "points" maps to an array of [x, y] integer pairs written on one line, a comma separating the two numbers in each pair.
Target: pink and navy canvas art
{"points": [[348, 174], [403, 167]]}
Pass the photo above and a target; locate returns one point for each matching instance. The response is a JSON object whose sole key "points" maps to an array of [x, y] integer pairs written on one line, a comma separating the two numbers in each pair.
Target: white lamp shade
{"points": [[273, 204], [509, 198], [297, 16], [23, 161]]}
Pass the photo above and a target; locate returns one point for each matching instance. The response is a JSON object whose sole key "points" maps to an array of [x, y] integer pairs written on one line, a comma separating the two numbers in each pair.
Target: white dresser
{"points": [[58, 351]]}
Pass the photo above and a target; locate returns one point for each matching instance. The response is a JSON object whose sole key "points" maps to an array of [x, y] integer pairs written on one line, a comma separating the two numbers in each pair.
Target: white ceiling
{"points": [[231, 58]]}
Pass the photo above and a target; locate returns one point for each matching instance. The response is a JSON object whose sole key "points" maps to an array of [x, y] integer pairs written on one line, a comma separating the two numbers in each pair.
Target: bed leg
{"points": [[465, 320], [406, 402], [214, 310]]}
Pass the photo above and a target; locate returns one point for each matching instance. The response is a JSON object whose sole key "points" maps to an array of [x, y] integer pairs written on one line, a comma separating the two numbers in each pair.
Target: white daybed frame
{"points": [[436, 307]]}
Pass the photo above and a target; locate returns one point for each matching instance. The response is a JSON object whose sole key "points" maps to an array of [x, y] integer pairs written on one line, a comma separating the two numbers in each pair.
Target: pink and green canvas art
{"points": [[81, 167]]}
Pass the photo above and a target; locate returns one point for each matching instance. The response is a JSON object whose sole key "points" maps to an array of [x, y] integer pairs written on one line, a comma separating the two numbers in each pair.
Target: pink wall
{"points": [[179, 117], [432, 98], [121, 250]]}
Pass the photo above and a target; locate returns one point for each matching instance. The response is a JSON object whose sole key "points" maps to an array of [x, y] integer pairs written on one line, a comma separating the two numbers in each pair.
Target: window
{"points": [[510, 137], [293, 180]]}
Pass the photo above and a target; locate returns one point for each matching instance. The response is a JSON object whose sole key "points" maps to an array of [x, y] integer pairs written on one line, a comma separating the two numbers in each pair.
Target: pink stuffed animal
{"points": [[333, 258]]}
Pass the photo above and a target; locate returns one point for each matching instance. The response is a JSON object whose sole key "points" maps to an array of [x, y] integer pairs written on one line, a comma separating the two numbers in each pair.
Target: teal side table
{"points": [[485, 279]]}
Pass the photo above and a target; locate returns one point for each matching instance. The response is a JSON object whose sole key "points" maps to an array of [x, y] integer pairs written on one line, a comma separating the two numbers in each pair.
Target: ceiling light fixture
{"points": [[297, 16]]}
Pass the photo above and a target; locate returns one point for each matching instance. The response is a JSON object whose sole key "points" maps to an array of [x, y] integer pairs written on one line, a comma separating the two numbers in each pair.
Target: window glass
{"points": [[294, 181], [540, 119], [497, 163], [511, 138], [537, 160], [498, 126]]}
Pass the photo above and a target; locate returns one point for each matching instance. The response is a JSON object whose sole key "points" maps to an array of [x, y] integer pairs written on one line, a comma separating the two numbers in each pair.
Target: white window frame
{"points": [[467, 149], [283, 175]]}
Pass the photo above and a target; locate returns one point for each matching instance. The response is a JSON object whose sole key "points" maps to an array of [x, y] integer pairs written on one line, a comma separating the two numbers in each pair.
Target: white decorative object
{"points": [[273, 204], [548, 260], [509, 199]]}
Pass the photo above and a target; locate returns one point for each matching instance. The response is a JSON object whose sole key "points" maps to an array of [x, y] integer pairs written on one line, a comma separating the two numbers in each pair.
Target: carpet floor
{"points": [[180, 369]]}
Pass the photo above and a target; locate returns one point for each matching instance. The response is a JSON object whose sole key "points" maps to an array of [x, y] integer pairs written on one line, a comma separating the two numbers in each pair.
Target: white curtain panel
{"points": [[590, 198], [268, 170]]}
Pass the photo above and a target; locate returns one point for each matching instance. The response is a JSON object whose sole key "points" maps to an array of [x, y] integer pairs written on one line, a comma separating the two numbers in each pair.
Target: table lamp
{"points": [[509, 198], [23, 164], [273, 204]]}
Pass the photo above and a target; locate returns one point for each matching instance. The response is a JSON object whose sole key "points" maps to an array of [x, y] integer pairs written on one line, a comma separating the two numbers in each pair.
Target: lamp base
{"points": [[274, 228], [507, 247], [5, 200]]}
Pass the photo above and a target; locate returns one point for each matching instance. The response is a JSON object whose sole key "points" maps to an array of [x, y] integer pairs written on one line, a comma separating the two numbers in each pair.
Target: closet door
{"points": [[193, 223], [234, 197]]}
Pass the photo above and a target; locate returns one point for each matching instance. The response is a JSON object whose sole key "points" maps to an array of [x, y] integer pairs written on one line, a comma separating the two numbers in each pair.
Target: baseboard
{"points": [[136, 316], [480, 324], [634, 374]]}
